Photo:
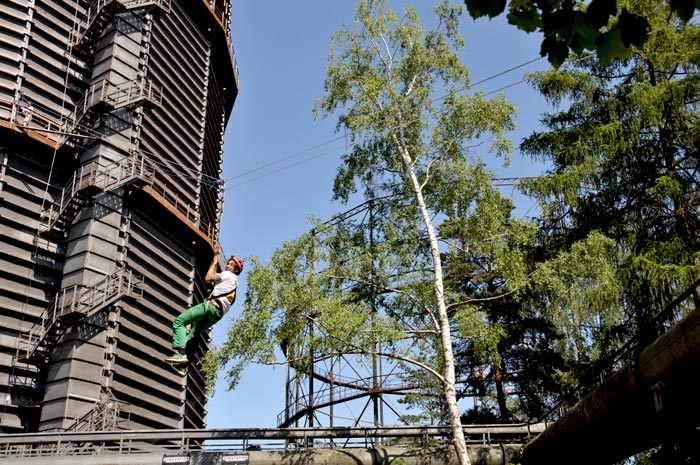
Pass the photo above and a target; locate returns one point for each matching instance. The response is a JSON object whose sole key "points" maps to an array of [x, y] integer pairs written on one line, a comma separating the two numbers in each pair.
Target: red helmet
{"points": [[238, 262]]}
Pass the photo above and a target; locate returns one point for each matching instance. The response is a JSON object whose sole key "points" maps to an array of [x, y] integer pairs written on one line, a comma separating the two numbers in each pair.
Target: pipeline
{"points": [[645, 402]]}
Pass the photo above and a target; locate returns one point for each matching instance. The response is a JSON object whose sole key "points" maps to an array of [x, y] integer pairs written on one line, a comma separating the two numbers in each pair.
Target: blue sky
{"points": [[279, 163]]}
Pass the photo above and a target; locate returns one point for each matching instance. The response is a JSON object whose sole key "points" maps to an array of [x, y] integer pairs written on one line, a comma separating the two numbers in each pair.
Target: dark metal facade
{"points": [[112, 117]]}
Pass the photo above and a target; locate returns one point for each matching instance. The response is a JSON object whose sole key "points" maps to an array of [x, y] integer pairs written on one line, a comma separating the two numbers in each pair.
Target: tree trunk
{"points": [[459, 440]]}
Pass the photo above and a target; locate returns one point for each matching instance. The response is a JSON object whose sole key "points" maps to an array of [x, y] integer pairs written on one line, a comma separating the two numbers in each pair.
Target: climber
{"points": [[205, 314]]}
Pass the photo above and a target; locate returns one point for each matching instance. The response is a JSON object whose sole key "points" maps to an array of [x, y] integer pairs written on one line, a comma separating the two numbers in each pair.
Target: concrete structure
{"points": [[112, 116]]}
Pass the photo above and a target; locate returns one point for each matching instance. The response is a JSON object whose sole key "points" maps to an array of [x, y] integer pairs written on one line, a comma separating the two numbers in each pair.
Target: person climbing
{"points": [[205, 314]]}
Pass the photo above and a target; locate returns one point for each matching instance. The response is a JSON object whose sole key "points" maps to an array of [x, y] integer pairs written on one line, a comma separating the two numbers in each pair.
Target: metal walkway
{"points": [[488, 444]]}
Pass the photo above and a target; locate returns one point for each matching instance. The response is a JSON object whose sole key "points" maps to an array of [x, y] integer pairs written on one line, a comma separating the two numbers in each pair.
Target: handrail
{"points": [[115, 96], [183, 207], [101, 177], [217, 9], [77, 34], [111, 176], [163, 4], [621, 355], [49, 128], [103, 416], [95, 94], [81, 180], [83, 301], [128, 92], [186, 440]]}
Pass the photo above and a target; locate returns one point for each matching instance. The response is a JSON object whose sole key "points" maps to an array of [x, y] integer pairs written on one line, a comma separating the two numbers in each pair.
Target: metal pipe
{"points": [[479, 455], [644, 402]]}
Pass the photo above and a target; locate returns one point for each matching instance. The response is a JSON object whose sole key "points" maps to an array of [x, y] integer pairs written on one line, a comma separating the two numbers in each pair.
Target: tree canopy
{"points": [[432, 270], [622, 144], [606, 27], [376, 288]]}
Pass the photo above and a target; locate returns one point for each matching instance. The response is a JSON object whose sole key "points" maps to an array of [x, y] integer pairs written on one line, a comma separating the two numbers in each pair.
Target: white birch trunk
{"points": [[459, 440]]}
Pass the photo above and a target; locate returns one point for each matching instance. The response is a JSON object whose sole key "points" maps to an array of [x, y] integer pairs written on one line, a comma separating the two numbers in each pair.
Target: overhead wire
{"points": [[500, 89], [201, 176], [498, 182], [150, 157], [222, 184], [293, 155], [364, 206], [212, 181], [284, 168], [88, 132]]}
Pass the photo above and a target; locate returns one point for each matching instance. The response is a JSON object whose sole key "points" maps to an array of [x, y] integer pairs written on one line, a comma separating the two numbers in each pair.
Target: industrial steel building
{"points": [[112, 117]]}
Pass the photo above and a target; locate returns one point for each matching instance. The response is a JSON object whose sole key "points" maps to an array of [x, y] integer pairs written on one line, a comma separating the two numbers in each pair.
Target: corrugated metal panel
{"points": [[158, 233]]}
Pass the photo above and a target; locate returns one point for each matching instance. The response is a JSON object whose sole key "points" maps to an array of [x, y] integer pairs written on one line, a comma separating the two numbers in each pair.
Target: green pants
{"points": [[200, 318]]}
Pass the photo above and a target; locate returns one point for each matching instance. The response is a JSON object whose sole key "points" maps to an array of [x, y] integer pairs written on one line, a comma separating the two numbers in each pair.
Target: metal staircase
{"points": [[70, 305], [106, 415], [104, 96], [24, 387], [100, 13], [89, 180]]}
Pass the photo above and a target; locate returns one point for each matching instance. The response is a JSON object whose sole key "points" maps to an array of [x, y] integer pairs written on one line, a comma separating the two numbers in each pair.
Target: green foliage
{"points": [[606, 27], [582, 293], [630, 139], [419, 144], [622, 147], [433, 271], [373, 285]]}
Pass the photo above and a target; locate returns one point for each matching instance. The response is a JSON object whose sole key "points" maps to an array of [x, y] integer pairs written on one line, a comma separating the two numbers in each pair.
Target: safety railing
{"points": [[115, 96], [184, 441], [77, 35], [98, 8], [99, 177], [136, 91], [220, 10], [236, 73], [164, 5], [108, 414], [671, 314], [23, 383], [184, 207], [75, 302], [87, 176], [95, 94], [47, 127]]}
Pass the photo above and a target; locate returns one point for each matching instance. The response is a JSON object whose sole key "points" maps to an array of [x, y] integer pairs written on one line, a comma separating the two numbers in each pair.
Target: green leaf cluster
{"points": [[431, 269], [607, 27], [623, 184]]}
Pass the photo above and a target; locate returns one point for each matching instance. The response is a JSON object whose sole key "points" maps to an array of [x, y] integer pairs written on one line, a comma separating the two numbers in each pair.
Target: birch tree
{"points": [[416, 134], [402, 96]]}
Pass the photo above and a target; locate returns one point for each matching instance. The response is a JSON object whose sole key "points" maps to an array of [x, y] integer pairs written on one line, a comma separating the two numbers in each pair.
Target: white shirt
{"points": [[226, 282]]}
